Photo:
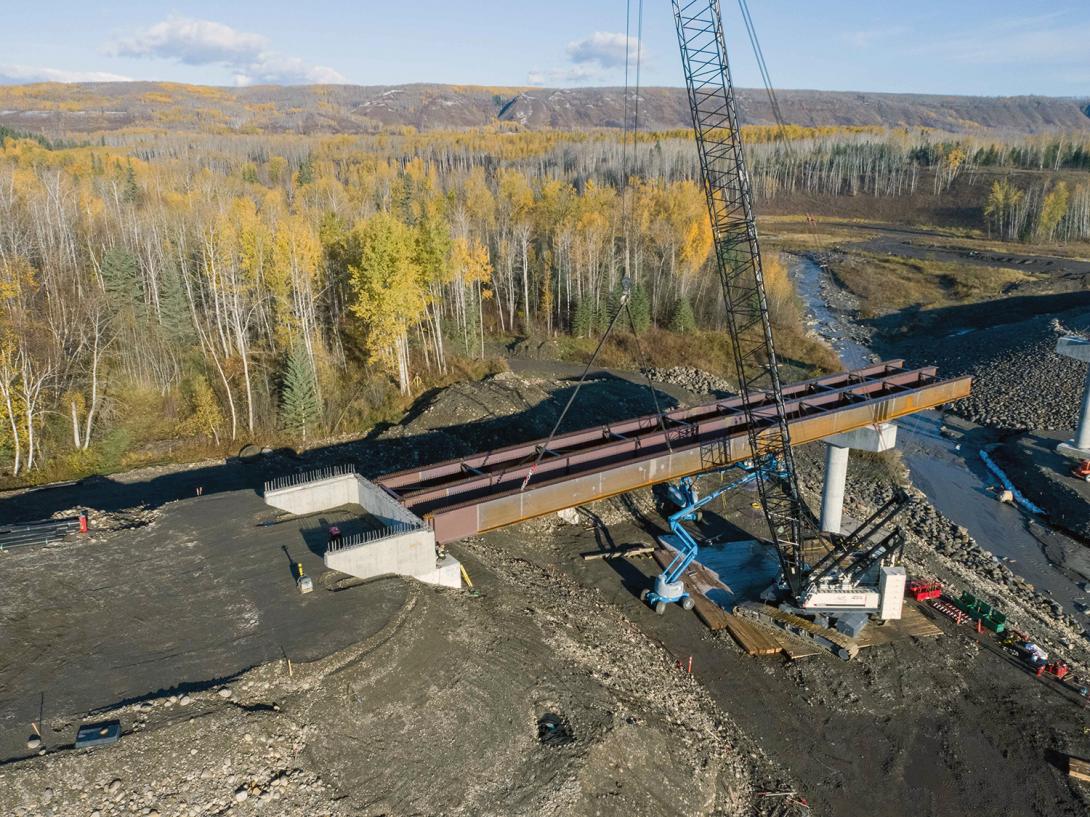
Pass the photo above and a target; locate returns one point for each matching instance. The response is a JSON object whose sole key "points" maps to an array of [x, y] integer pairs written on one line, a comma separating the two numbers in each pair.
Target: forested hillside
{"points": [[160, 289], [59, 110]]}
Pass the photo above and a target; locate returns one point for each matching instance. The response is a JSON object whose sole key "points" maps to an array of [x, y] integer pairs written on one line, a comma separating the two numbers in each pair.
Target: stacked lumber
{"points": [[840, 644], [751, 637], [1078, 768]]}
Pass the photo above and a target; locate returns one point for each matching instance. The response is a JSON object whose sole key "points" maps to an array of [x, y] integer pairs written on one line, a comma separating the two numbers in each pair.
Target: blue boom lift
{"points": [[669, 587]]}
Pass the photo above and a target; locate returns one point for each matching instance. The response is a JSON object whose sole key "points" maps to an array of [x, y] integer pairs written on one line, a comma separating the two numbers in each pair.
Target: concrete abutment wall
{"points": [[404, 545]]}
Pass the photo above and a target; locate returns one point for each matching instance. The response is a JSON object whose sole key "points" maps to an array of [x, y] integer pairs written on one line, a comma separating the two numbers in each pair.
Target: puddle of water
{"points": [[955, 481]]}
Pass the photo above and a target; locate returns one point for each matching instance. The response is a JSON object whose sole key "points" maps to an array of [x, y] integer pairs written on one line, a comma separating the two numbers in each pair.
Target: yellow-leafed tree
{"points": [[388, 292], [471, 265]]}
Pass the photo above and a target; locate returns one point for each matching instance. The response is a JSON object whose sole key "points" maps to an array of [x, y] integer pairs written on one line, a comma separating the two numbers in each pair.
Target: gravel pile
{"points": [[691, 379], [1020, 382], [203, 756], [113, 520]]}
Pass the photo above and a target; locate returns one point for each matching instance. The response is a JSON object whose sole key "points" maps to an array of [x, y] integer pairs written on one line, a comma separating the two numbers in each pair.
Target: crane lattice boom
{"points": [[738, 257]]}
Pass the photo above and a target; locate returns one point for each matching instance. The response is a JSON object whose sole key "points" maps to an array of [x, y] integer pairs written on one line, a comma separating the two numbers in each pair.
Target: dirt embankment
{"points": [[533, 698]]}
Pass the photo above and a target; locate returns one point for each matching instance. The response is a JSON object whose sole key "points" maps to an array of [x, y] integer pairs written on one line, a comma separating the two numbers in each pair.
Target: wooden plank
{"points": [[616, 553], [795, 648], [801, 627], [1078, 768], [751, 637], [713, 616], [912, 624]]}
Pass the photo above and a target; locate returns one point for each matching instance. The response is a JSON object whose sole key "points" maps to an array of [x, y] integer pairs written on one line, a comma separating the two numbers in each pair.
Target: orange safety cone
{"points": [[979, 627], [690, 665], [83, 521]]}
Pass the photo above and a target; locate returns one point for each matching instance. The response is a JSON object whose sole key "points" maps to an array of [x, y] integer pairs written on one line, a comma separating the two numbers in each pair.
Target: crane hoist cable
{"points": [[626, 218], [626, 283], [575, 392], [773, 100]]}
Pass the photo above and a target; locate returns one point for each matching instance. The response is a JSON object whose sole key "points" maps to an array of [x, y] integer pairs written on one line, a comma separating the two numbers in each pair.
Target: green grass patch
{"points": [[886, 284]]}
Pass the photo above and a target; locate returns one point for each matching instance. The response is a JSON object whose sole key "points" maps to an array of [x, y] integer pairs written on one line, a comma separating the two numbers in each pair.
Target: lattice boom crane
{"points": [[738, 257]]}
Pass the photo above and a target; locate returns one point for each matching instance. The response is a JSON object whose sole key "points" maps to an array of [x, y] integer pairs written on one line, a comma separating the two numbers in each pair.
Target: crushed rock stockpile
{"points": [[691, 379], [440, 712], [1019, 382]]}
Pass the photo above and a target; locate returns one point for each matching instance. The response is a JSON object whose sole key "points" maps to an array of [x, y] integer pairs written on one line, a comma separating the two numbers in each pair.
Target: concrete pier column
{"points": [[1082, 433], [832, 494], [837, 448], [1079, 447]]}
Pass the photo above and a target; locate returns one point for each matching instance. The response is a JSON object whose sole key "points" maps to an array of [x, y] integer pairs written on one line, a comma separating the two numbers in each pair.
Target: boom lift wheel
{"points": [[643, 594], [687, 603], [660, 607]]}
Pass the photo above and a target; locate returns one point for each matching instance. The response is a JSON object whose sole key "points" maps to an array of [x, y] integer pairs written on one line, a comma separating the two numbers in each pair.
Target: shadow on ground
{"points": [[605, 399], [915, 326]]}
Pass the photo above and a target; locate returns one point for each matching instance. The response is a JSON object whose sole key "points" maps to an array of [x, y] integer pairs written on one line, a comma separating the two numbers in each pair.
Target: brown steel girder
{"points": [[484, 491]]}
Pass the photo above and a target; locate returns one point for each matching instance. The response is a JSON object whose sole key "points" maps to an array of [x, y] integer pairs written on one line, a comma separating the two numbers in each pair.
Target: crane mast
{"points": [[738, 259]]}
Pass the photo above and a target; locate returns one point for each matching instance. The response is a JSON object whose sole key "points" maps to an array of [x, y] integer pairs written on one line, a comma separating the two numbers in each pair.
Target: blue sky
{"points": [[991, 47]]}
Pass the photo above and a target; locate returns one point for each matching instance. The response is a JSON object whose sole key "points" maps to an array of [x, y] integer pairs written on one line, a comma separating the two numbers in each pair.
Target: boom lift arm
{"points": [[669, 587]]}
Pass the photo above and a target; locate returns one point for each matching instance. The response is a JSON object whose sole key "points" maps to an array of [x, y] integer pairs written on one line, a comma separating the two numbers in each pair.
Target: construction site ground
{"points": [[917, 727], [404, 699]]}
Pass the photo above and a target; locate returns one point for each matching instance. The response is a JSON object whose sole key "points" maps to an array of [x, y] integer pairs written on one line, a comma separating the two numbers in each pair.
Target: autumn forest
{"points": [[166, 294]]}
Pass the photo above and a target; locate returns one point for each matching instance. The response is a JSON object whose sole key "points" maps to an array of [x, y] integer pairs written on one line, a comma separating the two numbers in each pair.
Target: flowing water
{"points": [[952, 475]]}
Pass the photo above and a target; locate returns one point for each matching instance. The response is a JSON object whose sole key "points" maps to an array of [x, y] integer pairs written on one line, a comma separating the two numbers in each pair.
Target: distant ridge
{"points": [[80, 108]]}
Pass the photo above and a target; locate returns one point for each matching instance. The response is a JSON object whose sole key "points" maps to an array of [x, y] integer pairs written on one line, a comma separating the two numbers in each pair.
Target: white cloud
{"points": [[594, 59], [607, 49], [565, 76], [869, 37], [22, 74], [194, 42], [205, 42]]}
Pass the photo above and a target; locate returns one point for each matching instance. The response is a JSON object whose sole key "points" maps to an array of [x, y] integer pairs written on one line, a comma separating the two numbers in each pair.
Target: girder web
{"points": [[738, 258]]}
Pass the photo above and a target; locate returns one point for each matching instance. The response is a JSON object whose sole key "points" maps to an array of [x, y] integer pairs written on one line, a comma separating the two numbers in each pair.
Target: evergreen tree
{"points": [[122, 281], [640, 307], [175, 317], [130, 190], [582, 321], [299, 405], [682, 319], [306, 171], [605, 312]]}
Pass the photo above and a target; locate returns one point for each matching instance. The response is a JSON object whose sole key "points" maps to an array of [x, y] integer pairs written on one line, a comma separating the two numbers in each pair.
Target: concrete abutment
{"points": [[402, 544]]}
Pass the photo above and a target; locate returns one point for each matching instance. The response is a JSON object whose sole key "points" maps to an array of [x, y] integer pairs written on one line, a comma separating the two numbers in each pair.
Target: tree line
{"points": [[159, 284]]}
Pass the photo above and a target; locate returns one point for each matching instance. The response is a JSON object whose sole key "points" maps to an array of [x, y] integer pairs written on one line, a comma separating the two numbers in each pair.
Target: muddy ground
{"points": [[919, 727], [403, 699], [425, 701]]}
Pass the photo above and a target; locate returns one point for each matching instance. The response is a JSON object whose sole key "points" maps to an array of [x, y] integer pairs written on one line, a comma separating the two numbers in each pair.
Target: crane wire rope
{"points": [[626, 208], [773, 99], [626, 284]]}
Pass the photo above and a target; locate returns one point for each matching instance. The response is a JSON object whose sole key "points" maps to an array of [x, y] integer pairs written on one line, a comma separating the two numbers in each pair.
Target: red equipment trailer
{"points": [[924, 589]]}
